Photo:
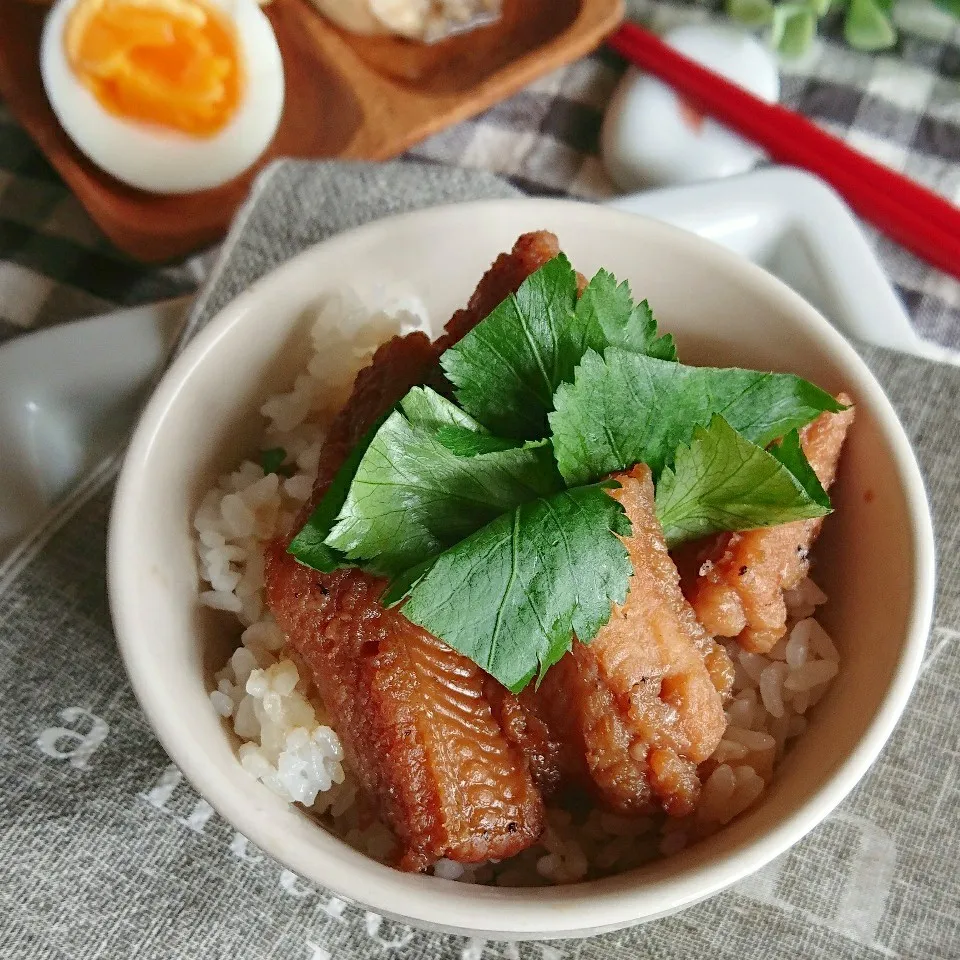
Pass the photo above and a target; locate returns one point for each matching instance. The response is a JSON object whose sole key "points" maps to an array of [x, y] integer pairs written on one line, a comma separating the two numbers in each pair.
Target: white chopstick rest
{"points": [[652, 137]]}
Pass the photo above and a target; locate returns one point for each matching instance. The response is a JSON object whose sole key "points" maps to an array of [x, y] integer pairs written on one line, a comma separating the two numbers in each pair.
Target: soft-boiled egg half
{"points": [[170, 96]]}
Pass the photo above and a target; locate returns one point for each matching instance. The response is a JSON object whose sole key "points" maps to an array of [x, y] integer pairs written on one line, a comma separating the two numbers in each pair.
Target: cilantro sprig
{"points": [[491, 514]]}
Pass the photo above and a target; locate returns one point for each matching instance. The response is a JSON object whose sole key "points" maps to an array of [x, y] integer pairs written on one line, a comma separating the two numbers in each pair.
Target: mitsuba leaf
{"points": [[506, 369], [468, 443], [790, 453], [424, 407], [429, 410], [404, 582], [454, 428], [309, 545], [412, 496], [722, 481], [626, 408], [512, 595], [606, 316]]}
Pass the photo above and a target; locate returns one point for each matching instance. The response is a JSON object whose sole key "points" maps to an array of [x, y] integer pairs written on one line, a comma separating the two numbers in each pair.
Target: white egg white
{"points": [[161, 160]]}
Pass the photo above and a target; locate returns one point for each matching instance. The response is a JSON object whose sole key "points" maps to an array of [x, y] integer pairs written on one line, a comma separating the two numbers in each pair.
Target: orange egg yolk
{"points": [[171, 63]]}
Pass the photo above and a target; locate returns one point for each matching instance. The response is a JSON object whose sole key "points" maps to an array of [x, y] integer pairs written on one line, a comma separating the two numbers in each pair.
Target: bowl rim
{"points": [[525, 913]]}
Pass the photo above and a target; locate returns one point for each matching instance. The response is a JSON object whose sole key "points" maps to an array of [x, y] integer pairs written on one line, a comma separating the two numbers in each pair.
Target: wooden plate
{"points": [[348, 97]]}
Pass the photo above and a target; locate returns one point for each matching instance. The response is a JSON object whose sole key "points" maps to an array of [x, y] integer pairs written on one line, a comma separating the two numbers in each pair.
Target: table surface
{"points": [[900, 107]]}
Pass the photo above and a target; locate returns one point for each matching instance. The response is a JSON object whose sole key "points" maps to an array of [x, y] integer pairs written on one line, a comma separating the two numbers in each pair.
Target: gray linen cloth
{"points": [[105, 852]]}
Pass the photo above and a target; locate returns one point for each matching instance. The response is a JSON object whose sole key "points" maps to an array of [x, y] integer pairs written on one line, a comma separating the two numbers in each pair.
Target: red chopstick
{"points": [[908, 213]]}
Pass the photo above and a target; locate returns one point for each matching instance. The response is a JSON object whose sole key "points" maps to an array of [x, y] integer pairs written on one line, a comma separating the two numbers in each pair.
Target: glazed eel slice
{"points": [[737, 580], [631, 714], [412, 714]]}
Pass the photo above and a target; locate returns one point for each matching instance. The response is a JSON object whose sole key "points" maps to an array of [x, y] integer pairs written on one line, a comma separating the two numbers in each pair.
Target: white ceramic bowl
{"points": [[875, 559]]}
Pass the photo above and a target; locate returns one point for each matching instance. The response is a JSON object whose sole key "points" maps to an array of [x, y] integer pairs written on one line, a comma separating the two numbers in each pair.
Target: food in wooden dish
{"points": [[468, 647], [426, 20], [345, 95]]}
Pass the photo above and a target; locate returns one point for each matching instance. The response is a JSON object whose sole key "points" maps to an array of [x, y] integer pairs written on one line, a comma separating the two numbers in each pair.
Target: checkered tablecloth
{"points": [[902, 108]]}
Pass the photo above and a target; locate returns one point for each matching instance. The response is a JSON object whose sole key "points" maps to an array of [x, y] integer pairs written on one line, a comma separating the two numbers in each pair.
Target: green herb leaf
{"points": [[951, 6], [624, 408], [867, 26], [467, 443], [412, 496], [606, 316], [790, 453], [507, 368], [794, 27], [663, 348], [272, 461], [454, 428], [753, 13], [511, 596], [425, 408], [309, 545], [431, 411], [404, 582], [722, 481]]}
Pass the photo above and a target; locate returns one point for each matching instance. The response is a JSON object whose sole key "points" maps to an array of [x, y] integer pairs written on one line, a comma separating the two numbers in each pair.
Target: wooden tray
{"points": [[347, 96]]}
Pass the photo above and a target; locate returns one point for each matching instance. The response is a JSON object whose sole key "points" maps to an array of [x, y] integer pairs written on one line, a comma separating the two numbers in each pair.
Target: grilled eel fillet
{"points": [[630, 715], [738, 579], [411, 712]]}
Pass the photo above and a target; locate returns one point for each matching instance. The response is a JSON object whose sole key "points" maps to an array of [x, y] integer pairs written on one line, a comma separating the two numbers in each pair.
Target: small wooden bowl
{"points": [[348, 97]]}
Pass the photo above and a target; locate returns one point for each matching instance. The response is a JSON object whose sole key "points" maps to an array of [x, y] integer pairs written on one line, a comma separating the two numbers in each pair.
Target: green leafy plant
{"points": [[490, 514], [413, 495], [792, 24]]}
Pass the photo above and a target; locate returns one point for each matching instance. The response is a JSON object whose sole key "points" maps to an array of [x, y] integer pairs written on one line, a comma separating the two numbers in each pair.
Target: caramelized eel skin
{"points": [[630, 715], [736, 581], [412, 714]]}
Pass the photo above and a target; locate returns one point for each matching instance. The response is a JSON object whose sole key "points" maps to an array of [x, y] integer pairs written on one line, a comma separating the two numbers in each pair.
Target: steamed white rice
{"points": [[287, 742]]}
